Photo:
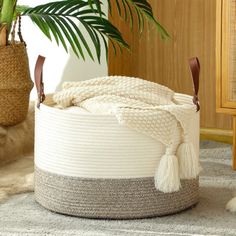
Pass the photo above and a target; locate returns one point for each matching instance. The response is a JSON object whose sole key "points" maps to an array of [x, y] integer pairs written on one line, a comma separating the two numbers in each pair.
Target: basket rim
{"points": [[10, 45], [48, 104]]}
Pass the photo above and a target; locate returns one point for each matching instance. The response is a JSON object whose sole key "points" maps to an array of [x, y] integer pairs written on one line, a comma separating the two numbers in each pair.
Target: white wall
{"points": [[59, 66]]}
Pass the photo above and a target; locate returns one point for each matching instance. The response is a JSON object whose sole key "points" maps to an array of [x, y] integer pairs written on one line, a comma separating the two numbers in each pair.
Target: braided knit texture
{"points": [[144, 106]]}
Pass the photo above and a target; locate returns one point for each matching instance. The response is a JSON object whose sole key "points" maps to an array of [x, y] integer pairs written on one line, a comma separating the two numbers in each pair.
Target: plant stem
{"points": [[7, 13], [3, 35]]}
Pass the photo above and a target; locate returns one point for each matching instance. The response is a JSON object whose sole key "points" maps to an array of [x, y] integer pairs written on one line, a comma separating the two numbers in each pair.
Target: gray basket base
{"points": [[111, 198]]}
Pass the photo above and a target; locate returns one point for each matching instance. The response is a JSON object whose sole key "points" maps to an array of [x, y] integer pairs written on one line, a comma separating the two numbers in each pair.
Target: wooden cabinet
{"points": [[226, 56], [226, 62], [194, 29]]}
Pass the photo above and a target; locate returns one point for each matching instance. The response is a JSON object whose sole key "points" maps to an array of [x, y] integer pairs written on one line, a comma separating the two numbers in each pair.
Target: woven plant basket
{"points": [[15, 83]]}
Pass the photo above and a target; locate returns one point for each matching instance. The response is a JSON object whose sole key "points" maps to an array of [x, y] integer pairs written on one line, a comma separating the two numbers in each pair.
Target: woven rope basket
{"points": [[15, 84], [88, 165]]}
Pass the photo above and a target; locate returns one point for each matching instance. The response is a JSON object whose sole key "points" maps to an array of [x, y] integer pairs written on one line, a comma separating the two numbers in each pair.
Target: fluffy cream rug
{"points": [[16, 164], [231, 205], [17, 140], [17, 177]]}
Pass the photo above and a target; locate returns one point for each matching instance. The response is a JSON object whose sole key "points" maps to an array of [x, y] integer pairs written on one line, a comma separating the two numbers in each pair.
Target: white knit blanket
{"points": [[144, 106]]}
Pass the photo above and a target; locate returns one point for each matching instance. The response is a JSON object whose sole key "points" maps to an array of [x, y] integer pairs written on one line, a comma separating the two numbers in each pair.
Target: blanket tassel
{"points": [[167, 178], [188, 161]]}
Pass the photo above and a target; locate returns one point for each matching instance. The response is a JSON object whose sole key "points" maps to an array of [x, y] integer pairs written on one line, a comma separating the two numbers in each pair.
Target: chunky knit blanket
{"points": [[148, 108]]}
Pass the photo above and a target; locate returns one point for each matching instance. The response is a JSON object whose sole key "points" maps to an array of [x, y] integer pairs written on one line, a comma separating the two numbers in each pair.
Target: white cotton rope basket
{"points": [[88, 165], [80, 144]]}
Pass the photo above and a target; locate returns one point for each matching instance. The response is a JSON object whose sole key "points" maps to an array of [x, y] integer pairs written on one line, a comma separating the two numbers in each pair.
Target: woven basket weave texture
{"points": [[15, 84], [111, 198]]}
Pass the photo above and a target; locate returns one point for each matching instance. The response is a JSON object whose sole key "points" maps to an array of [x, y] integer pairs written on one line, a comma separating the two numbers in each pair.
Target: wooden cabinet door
{"points": [[226, 92]]}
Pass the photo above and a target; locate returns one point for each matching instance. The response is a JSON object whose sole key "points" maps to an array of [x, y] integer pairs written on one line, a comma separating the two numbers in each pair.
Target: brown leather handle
{"points": [[38, 78], [194, 66]]}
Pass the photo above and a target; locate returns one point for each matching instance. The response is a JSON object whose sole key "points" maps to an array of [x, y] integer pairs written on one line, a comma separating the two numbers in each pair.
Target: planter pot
{"points": [[15, 84]]}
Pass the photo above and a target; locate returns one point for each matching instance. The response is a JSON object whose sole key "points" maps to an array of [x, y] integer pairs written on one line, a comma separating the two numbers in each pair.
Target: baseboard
{"points": [[219, 135]]}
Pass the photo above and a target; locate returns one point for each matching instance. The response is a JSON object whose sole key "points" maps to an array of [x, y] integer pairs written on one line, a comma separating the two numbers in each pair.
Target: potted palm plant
{"points": [[58, 21]]}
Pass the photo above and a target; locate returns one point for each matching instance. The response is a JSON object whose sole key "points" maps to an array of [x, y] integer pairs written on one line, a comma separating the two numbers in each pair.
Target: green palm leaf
{"points": [[143, 10], [59, 20]]}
